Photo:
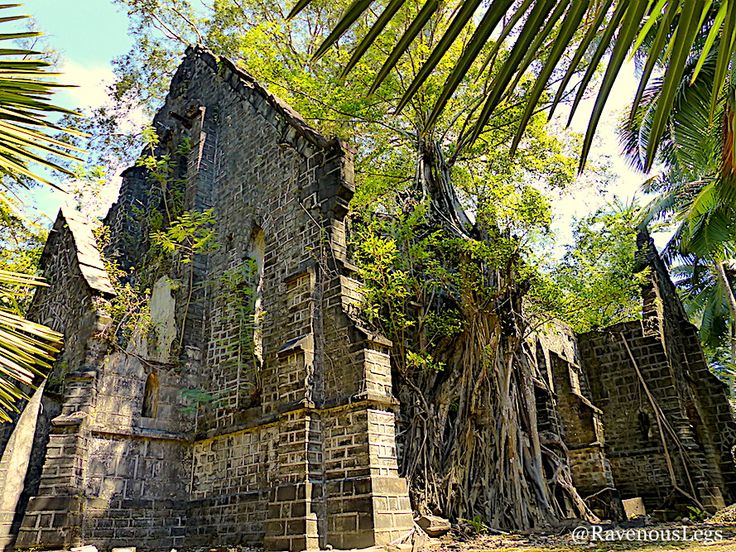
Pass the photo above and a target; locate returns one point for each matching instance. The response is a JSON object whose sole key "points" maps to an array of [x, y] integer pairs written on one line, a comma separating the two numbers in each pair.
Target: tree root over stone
{"points": [[471, 447]]}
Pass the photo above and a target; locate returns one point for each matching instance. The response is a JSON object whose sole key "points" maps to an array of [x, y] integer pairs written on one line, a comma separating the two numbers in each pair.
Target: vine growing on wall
{"points": [[189, 234], [400, 264], [175, 236], [129, 309], [239, 294], [163, 169]]}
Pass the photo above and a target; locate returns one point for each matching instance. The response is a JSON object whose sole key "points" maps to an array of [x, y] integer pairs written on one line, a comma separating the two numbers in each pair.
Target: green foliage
{"points": [[415, 275], [706, 303], [703, 299], [696, 514], [476, 524], [400, 265], [581, 34], [196, 398], [422, 362], [21, 245], [693, 193], [191, 233], [87, 189], [129, 309], [695, 197], [255, 35], [162, 169], [27, 349], [595, 284], [27, 141], [130, 312], [175, 237], [28, 147]]}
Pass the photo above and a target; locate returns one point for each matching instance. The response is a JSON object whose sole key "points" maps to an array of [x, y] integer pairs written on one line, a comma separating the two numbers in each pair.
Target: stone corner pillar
{"points": [[367, 502], [54, 517]]}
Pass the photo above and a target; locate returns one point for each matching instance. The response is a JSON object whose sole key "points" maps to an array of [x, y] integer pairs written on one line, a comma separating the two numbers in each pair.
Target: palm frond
{"points": [[673, 36], [28, 148], [27, 351], [27, 145]]}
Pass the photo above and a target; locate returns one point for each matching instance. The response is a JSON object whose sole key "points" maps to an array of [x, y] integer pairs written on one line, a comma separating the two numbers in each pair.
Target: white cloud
{"points": [[91, 84]]}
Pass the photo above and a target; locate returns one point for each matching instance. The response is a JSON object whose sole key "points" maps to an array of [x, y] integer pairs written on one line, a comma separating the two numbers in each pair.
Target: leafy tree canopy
{"points": [[595, 284]]}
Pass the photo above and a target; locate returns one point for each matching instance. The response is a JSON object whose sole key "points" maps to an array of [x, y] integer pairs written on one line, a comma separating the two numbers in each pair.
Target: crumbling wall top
{"points": [[243, 78], [87, 254]]}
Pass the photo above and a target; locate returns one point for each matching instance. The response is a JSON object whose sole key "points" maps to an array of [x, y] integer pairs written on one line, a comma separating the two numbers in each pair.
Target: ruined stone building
{"points": [[296, 448], [206, 430], [639, 409]]}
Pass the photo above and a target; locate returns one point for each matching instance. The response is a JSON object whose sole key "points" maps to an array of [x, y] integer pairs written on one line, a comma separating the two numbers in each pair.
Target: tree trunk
{"points": [[722, 277], [471, 446], [433, 183]]}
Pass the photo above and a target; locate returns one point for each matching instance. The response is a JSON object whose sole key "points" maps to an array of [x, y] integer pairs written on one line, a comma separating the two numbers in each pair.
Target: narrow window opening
{"points": [[150, 397], [645, 426], [257, 254]]}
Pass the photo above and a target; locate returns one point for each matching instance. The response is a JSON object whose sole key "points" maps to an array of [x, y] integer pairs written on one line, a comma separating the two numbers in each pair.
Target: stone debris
{"points": [[434, 526], [634, 508], [726, 515]]}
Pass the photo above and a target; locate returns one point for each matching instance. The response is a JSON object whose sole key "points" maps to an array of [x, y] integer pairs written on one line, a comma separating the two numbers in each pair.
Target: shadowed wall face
{"points": [[659, 399]]}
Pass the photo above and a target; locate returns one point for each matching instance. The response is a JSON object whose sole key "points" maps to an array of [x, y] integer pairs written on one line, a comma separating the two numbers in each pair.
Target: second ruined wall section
{"points": [[659, 399], [71, 304]]}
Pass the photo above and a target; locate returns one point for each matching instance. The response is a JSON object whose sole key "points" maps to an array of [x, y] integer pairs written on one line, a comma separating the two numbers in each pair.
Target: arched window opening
{"points": [[150, 397]]}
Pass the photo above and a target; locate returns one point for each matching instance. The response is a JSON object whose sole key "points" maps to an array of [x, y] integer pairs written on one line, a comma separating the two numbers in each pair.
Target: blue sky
{"points": [[89, 32], [87, 35]]}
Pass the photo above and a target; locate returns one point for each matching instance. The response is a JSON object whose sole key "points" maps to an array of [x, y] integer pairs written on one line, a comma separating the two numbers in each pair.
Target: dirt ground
{"points": [[702, 537]]}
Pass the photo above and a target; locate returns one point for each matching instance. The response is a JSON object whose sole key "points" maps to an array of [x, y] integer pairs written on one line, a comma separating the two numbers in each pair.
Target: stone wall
{"points": [[47, 509], [669, 429], [567, 411], [294, 445]]}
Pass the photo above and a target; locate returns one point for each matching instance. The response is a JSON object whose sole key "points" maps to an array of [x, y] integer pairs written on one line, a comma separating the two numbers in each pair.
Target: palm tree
{"points": [[705, 301], [695, 191], [27, 145], [580, 34]]}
